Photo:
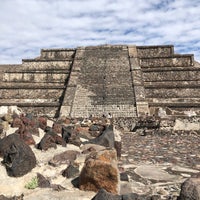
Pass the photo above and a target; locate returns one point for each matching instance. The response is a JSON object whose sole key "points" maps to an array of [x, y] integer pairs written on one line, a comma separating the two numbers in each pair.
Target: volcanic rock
{"points": [[18, 157], [100, 171]]}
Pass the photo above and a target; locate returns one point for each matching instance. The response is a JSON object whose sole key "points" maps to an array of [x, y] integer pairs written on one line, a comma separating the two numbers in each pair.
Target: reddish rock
{"points": [[42, 122], [71, 135], [17, 122], [100, 171], [57, 127]]}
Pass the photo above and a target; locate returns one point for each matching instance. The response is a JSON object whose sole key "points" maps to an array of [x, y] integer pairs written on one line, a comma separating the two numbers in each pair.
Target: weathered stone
{"points": [[124, 176], [71, 135], [58, 139], [16, 122], [21, 197], [106, 138], [66, 157], [100, 171], [134, 196], [190, 189], [71, 171], [18, 157], [25, 134], [42, 122], [46, 142], [42, 181], [104, 195], [57, 127]]}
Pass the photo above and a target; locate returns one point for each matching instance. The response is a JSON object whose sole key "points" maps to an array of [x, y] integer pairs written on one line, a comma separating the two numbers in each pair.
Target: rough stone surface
{"points": [[18, 157], [129, 81], [190, 189], [64, 158], [106, 138], [100, 171], [104, 195], [71, 171]]}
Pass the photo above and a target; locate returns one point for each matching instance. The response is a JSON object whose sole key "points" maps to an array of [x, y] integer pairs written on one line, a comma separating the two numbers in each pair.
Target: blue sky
{"points": [[26, 26]]}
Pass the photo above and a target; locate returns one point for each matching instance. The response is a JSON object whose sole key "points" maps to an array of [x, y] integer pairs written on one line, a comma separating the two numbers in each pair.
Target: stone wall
{"points": [[37, 85]]}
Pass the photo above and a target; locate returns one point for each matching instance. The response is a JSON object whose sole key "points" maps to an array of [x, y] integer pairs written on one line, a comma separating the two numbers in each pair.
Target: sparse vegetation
{"points": [[32, 184]]}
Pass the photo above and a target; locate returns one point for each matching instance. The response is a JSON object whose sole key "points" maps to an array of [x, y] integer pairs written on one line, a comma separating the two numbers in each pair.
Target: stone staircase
{"points": [[38, 85], [104, 83]]}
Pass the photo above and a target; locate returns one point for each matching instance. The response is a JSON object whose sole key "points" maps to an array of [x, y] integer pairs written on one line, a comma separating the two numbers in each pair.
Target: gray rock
{"points": [[104, 195], [190, 189], [106, 138], [71, 171]]}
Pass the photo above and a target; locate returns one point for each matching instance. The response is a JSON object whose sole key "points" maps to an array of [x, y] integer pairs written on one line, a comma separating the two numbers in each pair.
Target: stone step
{"points": [[155, 51], [171, 68], [172, 84], [34, 77], [33, 93], [173, 75], [172, 93], [45, 65], [173, 61], [29, 102], [175, 104], [173, 100], [37, 85]]}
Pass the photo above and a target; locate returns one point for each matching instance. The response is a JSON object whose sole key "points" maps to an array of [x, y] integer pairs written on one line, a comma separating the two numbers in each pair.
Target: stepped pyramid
{"points": [[124, 80]]}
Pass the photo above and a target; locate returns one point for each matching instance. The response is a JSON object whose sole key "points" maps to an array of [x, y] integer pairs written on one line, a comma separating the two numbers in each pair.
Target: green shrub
{"points": [[32, 184]]}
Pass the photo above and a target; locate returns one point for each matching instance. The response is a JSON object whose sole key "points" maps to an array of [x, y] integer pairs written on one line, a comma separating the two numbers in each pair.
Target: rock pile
{"points": [[80, 157]]}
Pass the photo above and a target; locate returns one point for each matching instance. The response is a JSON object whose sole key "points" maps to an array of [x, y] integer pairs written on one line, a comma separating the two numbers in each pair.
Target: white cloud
{"points": [[28, 26]]}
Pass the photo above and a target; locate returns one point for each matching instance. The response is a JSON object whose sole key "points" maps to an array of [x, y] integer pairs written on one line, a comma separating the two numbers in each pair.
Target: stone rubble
{"points": [[156, 165]]}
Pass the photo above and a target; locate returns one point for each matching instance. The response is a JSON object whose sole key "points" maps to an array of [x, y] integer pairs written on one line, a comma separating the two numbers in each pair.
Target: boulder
{"points": [[46, 142], [42, 181], [18, 157], [50, 139], [100, 171], [71, 171], [42, 122], [25, 134], [106, 139], [71, 135], [104, 195], [57, 127], [190, 189], [64, 158], [17, 122]]}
